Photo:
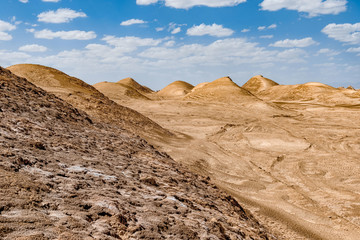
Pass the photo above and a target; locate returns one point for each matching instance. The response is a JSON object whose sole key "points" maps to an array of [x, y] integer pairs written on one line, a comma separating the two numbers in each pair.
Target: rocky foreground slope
{"points": [[63, 176]]}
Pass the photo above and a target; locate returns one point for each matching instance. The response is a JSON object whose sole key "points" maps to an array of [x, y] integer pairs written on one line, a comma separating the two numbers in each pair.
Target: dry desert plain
{"points": [[288, 153]]}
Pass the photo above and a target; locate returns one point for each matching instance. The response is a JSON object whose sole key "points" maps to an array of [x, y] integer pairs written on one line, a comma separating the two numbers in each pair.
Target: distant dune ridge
{"points": [[312, 92], [176, 89], [87, 98]]}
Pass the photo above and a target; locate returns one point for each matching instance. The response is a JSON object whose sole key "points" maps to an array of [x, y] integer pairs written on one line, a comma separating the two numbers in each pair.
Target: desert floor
{"points": [[296, 166]]}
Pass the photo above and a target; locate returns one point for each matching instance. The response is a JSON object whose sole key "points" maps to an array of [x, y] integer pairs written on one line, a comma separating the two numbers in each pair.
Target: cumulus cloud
{"points": [[33, 48], [4, 28], [176, 30], [291, 43], [245, 30], [65, 35], [212, 30], [328, 52], [186, 4], [132, 22], [62, 15], [272, 26], [24, 1], [5, 36], [145, 2], [347, 33], [267, 36], [311, 7], [51, 1]]}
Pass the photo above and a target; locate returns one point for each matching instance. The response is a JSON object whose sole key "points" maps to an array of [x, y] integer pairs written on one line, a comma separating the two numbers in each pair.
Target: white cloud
{"points": [[132, 21], [311, 7], [145, 2], [347, 33], [129, 44], [176, 30], [65, 35], [186, 4], [33, 48], [51, 1], [62, 15], [5, 26], [272, 26], [10, 58], [353, 50], [212, 30], [298, 43], [293, 55], [267, 36], [328, 52], [24, 1], [5, 36], [159, 29], [245, 30]]}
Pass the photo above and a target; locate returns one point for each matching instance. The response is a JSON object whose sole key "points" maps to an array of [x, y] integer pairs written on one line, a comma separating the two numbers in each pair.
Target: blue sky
{"points": [[159, 41]]}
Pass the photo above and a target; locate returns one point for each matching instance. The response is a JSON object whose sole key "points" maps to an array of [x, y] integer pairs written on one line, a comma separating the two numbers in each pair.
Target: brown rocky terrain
{"points": [[66, 176], [130, 82], [87, 98]]}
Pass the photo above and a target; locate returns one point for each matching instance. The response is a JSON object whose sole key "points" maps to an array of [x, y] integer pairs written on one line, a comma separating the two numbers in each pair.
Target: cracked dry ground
{"points": [[62, 176]]}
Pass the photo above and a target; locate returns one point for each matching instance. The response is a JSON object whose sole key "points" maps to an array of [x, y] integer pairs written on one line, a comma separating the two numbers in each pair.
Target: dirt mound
{"points": [[85, 97], [225, 90], [312, 92], [258, 83], [135, 85], [64, 177], [176, 89], [119, 91]]}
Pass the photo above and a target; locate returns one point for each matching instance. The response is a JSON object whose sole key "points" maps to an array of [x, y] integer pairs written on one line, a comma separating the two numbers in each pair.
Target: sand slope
{"points": [[258, 83], [85, 97], [119, 91], [64, 177], [175, 89]]}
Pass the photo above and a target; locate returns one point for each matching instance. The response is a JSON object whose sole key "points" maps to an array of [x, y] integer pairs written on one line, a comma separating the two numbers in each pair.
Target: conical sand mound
{"points": [[85, 97], [119, 91], [222, 89], [135, 85], [258, 83], [312, 92], [176, 89]]}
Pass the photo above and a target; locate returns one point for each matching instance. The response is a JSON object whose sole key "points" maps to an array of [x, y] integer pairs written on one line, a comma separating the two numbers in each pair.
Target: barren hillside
{"points": [[63, 176]]}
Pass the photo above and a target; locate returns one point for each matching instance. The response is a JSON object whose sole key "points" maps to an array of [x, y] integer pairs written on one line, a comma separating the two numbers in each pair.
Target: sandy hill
{"points": [[135, 85], [176, 89], [200, 85], [313, 92], [223, 90], [119, 91], [85, 97], [64, 177], [258, 83]]}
